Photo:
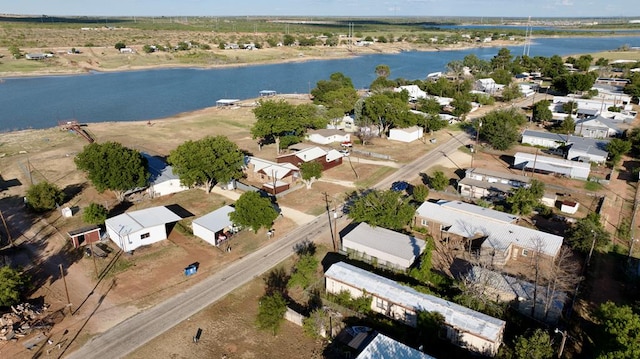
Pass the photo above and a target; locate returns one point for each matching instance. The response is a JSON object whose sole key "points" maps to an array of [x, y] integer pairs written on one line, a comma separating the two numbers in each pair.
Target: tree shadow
{"points": [[17, 218], [71, 191]]}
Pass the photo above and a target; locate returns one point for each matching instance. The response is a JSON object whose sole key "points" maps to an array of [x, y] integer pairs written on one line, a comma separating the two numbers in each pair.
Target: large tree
{"points": [[253, 211], [336, 94], [535, 346], [502, 60], [44, 196], [619, 332], [388, 109], [207, 161], [387, 209], [616, 148], [95, 213], [588, 232], [523, 200], [541, 111], [501, 128], [112, 166], [12, 283], [271, 311]]}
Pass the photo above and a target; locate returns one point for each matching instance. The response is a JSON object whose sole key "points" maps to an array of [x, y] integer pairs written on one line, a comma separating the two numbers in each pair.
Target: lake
{"points": [[40, 102]]}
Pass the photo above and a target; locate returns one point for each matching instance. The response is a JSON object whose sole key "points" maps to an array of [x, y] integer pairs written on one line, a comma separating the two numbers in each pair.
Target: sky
{"points": [[348, 8]]}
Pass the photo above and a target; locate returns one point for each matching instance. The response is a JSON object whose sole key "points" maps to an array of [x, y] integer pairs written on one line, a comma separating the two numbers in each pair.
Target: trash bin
{"points": [[190, 270]]}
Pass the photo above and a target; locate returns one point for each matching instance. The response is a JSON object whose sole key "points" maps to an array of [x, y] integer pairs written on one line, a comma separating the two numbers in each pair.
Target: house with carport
{"points": [[131, 230], [383, 246], [273, 176], [464, 327], [493, 235], [214, 227]]}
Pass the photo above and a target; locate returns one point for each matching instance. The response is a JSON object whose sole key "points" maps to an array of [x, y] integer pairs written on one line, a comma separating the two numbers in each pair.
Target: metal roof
{"points": [[384, 243], [327, 132], [216, 220], [159, 170], [455, 315], [334, 155], [383, 347], [468, 222], [271, 169], [131, 222], [547, 163], [497, 174], [83, 230], [597, 121], [311, 153]]}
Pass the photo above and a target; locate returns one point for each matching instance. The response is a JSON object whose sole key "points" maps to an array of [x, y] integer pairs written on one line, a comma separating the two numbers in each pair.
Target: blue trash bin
{"points": [[190, 270]]}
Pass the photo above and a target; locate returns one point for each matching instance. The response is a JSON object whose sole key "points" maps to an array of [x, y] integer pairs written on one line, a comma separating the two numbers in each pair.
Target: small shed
{"points": [[569, 207], [409, 134], [549, 199], [85, 235], [214, 227]]}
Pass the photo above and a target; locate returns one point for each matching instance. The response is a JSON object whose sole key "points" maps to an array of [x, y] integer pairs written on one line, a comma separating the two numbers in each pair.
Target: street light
{"points": [[564, 340], [475, 148]]}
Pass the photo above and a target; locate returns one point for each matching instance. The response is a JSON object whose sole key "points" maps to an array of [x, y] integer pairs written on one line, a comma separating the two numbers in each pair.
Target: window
{"points": [[145, 235], [381, 304], [525, 252], [424, 222]]}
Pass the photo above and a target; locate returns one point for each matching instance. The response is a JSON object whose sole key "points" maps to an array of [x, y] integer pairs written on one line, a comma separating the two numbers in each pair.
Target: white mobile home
{"points": [[409, 134], [571, 169], [466, 328], [131, 230], [388, 248], [214, 226]]}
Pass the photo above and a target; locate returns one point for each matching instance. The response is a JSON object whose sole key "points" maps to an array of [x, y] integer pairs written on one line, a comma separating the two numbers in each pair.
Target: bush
{"points": [[44, 196], [420, 193], [120, 45], [95, 214]]}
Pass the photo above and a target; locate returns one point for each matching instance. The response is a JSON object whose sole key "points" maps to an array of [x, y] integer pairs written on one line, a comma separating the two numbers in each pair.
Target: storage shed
{"points": [[85, 235], [214, 227]]}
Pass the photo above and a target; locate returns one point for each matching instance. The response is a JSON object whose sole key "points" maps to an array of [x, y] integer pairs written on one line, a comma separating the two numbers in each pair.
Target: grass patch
{"points": [[375, 177], [592, 186]]}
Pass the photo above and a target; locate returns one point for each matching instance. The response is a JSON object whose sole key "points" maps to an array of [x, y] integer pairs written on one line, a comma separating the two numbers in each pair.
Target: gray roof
{"points": [[498, 174], [455, 315], [383, 347], [216, 220], [159, 170], [131, 222], [598, 121], [384, 243], [492, 186], [469, 221], [576, 142]]}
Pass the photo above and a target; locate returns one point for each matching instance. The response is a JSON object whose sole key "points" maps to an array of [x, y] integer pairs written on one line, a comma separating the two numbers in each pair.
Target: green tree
{"points": [[336, 93], [429, 105], [317, 322], [501, 128], [523, 200], [120, 45], [502, 77], [147, 49], [271, 312], [95, 214], [619, 332], [304, 272], [616, 148], [541, 111], [511, 92], [276, 119], [310, 172], [423, 271], [253, 211], [387, 209], [535, 346], [383, 71], [502, 60], [207, 161], [15, 51], [461, 105], [44, 196], [12, 283], [633, 136], [288, 40], [582, 235], [387, 110], [111, 166], [420, 193], [568, 126], [438, 181]]}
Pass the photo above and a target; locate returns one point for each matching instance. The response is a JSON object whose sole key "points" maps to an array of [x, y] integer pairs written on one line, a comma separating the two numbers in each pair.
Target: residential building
{"points": [[328, 159], [383, 347], [327, 136], [577, 148], [415, 93], [494, 235], [272, 175], [597, 127], [162, 180], [487, 85], [132, 230], [546, 164], [482, 182], [383, 246], [464, 327]]}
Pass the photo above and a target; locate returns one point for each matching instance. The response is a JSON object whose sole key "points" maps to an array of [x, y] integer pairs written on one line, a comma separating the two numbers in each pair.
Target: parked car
{"points": [[399, 186]]}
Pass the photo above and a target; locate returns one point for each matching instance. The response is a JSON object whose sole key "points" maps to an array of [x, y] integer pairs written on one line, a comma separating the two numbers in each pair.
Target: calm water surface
{"points": [[40, 102]]}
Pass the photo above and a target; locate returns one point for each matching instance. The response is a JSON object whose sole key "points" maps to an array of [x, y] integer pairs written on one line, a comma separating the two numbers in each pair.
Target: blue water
{"points": [[40, 102], [533, 28]]}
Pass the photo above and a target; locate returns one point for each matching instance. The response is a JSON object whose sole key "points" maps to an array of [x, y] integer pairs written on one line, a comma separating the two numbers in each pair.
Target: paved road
{"points": [[134, 332]]}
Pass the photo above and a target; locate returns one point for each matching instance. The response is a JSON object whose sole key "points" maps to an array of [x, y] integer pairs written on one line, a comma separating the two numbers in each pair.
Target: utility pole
{"points": [[93, 256], [6, 229], [562, 343], [333, 238], [593, 244], [66, 290], [335, 223], [475, 148]]}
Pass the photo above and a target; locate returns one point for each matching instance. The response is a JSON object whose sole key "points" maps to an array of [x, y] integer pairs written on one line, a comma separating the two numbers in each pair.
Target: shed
{"points": [[214, 226], [549, 199], [85, 235], [387, 247], [227, 102], [569, 207], [131, 230], [409, 134]]}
